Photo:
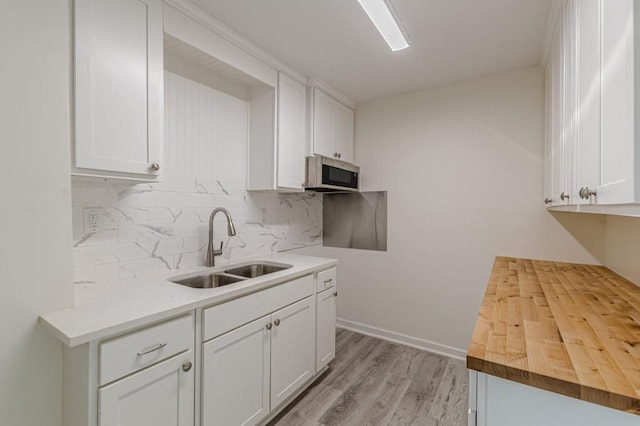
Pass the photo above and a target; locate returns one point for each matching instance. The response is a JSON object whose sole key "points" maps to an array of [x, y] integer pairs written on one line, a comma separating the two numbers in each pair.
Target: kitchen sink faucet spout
{"points": [[231, 231]]}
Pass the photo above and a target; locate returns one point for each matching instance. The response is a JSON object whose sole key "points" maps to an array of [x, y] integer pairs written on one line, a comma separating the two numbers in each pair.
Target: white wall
{"points": [[35, 247], [463, 166]]}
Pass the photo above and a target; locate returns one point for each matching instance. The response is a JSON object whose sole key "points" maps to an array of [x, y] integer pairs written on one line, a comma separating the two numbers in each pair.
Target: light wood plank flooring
{"points": [[374, 382]]}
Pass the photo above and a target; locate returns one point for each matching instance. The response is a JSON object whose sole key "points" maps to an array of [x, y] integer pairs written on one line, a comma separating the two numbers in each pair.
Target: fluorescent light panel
{"points": [[384, 21]]}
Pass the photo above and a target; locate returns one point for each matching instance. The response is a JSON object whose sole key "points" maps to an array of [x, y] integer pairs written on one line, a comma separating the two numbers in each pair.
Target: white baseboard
{"points": [[403, 339]]}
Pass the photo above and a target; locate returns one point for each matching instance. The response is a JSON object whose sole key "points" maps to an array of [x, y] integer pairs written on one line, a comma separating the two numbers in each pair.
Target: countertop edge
{"points": [[592, 395]]}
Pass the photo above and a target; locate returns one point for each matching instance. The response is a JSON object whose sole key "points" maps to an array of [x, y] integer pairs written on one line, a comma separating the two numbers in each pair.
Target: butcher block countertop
{"points": [[568, 328]]}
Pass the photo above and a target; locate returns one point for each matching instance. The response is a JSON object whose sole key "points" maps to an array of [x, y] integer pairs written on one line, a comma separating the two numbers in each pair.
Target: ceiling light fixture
{"points": [[382, 15]]}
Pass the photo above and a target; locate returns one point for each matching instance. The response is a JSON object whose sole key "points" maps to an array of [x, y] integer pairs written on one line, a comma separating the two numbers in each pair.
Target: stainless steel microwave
{"points": [[330, 175]]}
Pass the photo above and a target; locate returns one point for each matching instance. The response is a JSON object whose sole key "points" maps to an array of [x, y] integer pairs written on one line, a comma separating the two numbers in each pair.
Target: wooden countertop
{"points": [[568, 328]]}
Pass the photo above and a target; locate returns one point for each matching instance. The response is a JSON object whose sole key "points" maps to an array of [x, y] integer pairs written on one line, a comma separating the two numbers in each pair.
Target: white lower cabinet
{"points": [[292, 349], [249, 371], [255, 354], [235, 377], [161, 395], [144, 377], [326, 296], [497, 402]]}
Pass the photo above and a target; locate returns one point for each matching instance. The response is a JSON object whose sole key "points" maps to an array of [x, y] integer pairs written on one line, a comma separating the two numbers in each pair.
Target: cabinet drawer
{"points": [[229, 315], [326, 279], [134, 351]]}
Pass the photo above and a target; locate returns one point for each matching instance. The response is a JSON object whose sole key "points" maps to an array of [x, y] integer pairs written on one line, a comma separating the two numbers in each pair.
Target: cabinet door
{"points": [[569, 100], [291, 133], [617, 151], [235, 377], [118, 85], [557, 119], [548, 97], [161, 395], [323, 132], [292, 349], [587, 113], [343, 132], [325, 327]]}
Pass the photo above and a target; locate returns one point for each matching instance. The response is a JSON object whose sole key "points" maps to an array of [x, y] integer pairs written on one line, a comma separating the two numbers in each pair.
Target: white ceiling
{"points": [[451, 40]]}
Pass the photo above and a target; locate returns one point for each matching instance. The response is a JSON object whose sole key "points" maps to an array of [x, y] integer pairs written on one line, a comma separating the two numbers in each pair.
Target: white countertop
{"points": [[110, 308]]}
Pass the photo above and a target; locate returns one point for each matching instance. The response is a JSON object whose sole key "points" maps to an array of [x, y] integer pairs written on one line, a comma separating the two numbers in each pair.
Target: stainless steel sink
{"points": [[230, 276], [256, 270], [208, 280]]}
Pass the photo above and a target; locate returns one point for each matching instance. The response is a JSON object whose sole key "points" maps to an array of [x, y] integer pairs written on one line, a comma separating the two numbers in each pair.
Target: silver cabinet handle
{"points": [[548, 200], [564, 196], [153, 348], [155, 166], [269, 326], [186, 366], [586, 193], [277, 322], [328, 281], [335, 294]]}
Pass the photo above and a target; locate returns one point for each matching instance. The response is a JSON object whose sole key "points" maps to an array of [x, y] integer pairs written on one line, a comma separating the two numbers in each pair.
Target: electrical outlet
{"points": [[91, 220]]}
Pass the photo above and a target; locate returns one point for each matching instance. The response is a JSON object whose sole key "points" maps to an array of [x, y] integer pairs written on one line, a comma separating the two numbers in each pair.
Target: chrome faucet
{"points": [[231, 231]]}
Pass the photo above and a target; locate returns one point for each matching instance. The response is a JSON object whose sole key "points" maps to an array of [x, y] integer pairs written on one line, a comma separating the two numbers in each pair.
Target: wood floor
{"points": [[374, 382]]}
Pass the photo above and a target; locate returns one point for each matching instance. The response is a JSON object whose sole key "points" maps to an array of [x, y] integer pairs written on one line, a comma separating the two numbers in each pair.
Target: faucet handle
{"points": [[219, 251]]}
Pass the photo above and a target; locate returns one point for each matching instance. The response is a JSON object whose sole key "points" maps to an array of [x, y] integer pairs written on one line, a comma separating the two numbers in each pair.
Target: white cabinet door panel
{"points": [[343, 132], [118, 85], [325, 327], [557, 119], [291, 133], [618, 156], [161, 395], [587, 113], [235, 377], [323, 124], [333, 122], [292, 349]]}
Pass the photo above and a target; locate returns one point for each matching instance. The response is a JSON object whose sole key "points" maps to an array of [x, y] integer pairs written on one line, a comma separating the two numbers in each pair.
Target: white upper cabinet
{"points": [[331, 127], [277, 137], [118, 88], [620, 164], [292, 121], [592, 108], [557, 148], [588, 90]]}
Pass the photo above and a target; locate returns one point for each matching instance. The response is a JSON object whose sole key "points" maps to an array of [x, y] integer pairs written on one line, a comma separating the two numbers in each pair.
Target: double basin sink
{"points": [[230, 276]]}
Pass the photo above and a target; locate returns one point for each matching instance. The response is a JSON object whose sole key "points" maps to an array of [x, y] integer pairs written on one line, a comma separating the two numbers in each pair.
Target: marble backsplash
{"points": [[146, 228], [149, 227]]}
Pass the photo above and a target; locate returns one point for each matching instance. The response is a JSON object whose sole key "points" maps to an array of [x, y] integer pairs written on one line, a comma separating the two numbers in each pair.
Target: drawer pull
{"points": [[277, 322], [186, 366], [328, 281], [152, 349]]}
